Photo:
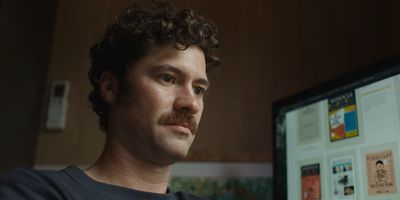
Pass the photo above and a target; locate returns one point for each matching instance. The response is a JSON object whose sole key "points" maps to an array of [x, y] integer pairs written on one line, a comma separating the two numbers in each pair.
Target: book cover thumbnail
{"points": [[310, 182], [342, 117], [343, 178], [308, 124], [381, 173]]}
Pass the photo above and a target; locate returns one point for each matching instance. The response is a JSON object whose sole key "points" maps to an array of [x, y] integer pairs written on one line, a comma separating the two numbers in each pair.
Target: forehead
{"points": [[189, 62]]}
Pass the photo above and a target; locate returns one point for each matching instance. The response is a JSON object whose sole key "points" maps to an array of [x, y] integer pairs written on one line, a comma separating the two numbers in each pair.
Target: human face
{"points": [[379, 166], [167, 82]]}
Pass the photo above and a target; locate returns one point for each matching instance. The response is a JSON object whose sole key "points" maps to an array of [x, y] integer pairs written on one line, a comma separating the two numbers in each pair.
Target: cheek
{"points": [[148, 96], [158, 102], [198, 115]]}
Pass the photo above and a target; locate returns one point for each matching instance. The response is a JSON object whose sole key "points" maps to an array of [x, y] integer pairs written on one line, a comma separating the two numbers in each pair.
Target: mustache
{"points": [[180, 118]]}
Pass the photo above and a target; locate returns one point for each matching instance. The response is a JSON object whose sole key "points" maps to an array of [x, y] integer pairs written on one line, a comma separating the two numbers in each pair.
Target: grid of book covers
{"points": [[346, 146]]}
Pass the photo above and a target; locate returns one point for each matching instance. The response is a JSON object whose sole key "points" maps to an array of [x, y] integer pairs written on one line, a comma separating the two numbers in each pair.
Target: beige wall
{"points": [[271, 49]]}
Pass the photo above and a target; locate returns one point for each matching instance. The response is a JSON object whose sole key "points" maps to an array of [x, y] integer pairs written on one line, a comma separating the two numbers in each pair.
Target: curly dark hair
{"points": [[135, 31]]}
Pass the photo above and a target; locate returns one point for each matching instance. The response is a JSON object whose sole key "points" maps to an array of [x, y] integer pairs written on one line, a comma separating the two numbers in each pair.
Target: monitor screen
{"points": [[339, 140]]}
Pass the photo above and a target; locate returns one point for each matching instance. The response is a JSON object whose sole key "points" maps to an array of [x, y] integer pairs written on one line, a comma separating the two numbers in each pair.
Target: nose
{"points": [[187, 102]]}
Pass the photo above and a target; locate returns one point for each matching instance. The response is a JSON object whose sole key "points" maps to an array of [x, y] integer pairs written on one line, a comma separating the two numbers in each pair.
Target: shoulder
{"points": [[26, 173], [27, 182], [29, 176], [184, 195]]}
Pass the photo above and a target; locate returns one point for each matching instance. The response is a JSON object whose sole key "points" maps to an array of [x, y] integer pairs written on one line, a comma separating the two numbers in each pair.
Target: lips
{"points": [[182, 128], [186, 125]]}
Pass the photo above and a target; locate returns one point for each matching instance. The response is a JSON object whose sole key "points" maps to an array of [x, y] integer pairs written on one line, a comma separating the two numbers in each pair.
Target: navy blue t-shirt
{"points": [[71, 183]]}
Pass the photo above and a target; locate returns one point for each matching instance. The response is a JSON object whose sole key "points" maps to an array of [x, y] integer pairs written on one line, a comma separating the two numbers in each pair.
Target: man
{"points": [[149, 75], [380, 175]]}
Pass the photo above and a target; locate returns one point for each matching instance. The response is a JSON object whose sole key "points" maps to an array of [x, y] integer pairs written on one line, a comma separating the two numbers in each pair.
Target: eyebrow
{"points": [[178, 71]]}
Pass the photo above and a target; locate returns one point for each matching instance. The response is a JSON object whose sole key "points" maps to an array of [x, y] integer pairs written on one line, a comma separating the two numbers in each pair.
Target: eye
{"points": [[167, 78], [199, 90]]}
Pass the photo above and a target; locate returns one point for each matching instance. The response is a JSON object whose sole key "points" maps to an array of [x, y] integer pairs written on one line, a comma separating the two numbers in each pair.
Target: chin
{"points": [[170, 157], [177, 156], [168, 152], [166, 161]]}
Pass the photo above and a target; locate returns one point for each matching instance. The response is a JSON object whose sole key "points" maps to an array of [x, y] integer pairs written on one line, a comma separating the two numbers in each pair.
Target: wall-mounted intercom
{"points": [[58, 106]]}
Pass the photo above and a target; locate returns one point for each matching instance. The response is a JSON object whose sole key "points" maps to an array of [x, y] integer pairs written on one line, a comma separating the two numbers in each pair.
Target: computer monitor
{"points": [[340, 139]]}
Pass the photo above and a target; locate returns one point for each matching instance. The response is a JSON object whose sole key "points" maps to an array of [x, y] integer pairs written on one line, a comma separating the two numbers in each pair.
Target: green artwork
{"points": [[225, 188]]}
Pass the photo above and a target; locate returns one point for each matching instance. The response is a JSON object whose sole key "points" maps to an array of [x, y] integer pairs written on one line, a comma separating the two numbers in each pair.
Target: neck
{"points": [[116, 166]]}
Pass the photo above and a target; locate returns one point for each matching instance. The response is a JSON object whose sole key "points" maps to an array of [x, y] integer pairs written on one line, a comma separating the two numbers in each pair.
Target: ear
{"points": [[108, 87]]}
